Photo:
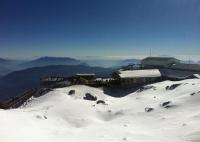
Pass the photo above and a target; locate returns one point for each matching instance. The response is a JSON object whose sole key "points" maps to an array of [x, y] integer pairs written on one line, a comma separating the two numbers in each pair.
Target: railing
{"points": [[18, 100]]}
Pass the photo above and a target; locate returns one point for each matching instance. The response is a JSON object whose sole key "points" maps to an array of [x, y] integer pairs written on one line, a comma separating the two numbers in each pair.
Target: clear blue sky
{"points": [[115, 28]]}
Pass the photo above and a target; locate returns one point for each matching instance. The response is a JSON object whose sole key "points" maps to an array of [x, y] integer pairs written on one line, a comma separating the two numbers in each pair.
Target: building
{"points": [[54, 81], [137, 77], [84, 78], [187, 67], [175, 75], [171, 68], [159, 62]]}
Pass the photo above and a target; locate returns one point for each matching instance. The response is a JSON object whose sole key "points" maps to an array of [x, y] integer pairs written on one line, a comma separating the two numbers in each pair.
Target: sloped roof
{"points": [[178, 74], [187, 67], [197, 76], [140, 73]]}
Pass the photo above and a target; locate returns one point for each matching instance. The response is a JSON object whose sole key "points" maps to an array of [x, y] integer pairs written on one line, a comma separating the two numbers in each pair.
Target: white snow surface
{"points": [[58, 117], [140, 73]]}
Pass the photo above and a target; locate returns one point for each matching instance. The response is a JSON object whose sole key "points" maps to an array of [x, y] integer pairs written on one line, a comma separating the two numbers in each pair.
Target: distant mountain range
{"points": [[10, 64], [48, 61], [5, 62], [129, 62], [17, 82], [111, 63], [7, 66], [4, 71]]}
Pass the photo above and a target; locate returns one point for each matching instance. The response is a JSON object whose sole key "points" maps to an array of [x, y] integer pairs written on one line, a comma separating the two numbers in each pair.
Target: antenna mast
{"points": [[150, 52]]}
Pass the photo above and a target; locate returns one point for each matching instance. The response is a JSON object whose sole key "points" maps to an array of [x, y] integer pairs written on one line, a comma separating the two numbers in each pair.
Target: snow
{"points": [[60, 117], [140, 73], [197, 76]]}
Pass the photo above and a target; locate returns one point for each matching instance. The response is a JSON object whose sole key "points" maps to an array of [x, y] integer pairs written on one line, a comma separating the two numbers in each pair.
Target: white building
{"points": [[137, 77]]}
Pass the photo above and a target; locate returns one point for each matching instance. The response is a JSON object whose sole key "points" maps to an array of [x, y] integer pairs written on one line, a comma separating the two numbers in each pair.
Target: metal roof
{"points": [[140, 73]]}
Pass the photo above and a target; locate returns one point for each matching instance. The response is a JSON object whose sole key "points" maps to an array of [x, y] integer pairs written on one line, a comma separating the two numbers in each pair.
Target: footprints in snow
{"points": [[41, 117]]}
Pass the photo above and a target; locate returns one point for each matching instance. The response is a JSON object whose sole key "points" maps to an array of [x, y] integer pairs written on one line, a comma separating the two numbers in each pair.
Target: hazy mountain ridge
{"points": [[111, 63], [48, 61], [9, 63], [16, 82], [4, 71], [128, 62]]}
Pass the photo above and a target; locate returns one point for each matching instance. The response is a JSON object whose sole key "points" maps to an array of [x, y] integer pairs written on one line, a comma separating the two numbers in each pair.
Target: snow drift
{"points": [[160, 112]]}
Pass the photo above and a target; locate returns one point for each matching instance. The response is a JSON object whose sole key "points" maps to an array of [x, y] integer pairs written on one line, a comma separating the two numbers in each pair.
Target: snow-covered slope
{"points": [[58, 117]]}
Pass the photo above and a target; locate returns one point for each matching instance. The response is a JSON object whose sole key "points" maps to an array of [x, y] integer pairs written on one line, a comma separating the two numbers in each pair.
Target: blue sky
{"points": [[100, 28]]}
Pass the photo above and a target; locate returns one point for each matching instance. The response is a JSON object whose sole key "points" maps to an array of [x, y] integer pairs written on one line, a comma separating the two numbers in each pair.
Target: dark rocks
{"points": [[71, 92], [195, 93], [89, 97], [168, 104], [146, 88], [149, 109], [167, 87], [101, 102], [172, 87], [165, 104], [192, 94], [41, 117]]}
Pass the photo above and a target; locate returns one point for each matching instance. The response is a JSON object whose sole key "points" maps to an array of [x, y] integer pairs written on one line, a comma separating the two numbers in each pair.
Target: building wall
{"points": [[137, 81], [189, 67]]}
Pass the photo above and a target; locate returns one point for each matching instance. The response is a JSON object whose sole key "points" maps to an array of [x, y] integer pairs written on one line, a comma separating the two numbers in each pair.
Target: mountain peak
{"points": [[47, 61]]}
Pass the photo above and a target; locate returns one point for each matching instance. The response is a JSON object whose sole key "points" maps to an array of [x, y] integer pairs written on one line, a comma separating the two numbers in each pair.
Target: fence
{"points": [[18, 100]]}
